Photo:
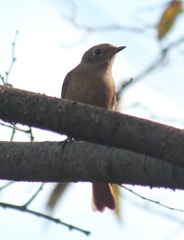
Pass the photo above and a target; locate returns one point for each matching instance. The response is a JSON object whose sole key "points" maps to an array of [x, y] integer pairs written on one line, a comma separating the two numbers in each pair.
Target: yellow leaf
{"points": [[168, 18], [118, 197]]}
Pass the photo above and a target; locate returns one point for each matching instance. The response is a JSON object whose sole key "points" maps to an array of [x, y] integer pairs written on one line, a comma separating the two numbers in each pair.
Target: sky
{"points": [[47, 47]]}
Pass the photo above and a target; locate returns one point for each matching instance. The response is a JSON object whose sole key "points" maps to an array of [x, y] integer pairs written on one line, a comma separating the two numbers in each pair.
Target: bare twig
{"points": [[148, 207], [30, 134], [7, 185], [153, 201], [34, 196], [2, 79], [7, 73], [72, 19], [13, 132], [113, 27], [174, 121], [5, 82], [56, 220], [15, 128], [155, 64]]}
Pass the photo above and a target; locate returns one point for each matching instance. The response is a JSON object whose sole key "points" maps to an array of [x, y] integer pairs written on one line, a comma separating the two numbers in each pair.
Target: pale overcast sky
{"points": [[47, 48]]}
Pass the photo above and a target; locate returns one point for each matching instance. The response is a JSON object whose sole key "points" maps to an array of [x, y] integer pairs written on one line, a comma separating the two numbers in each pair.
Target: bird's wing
{"points": [[65, 84]]}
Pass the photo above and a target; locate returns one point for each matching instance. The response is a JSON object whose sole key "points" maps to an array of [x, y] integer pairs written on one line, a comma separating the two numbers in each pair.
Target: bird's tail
{"points": [[103, 196]]}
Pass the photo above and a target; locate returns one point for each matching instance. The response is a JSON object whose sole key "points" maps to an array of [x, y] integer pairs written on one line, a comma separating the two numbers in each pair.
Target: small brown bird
{"points": [[91, 82]]}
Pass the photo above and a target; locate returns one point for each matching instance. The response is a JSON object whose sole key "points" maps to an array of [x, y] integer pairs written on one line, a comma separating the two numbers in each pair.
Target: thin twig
{"points": [[105, 28], [6, 185], [5, 82], [30, 132], [15, 128], [56, 220], [72, 19], [2, 79], [147, 207], [153, 201], [34, 196], [13, 132], [159, 60], [12, 60], [156, 63]]}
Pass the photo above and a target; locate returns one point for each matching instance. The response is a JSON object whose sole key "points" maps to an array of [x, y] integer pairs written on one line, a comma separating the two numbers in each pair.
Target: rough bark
{"points": [[81, 161]]}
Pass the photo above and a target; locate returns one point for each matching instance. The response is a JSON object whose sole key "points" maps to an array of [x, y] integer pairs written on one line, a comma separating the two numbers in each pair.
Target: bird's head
{"points": [[101, 54]]}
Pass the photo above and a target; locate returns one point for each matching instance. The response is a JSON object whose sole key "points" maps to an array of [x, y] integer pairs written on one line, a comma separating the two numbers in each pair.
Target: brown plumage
{"points": [[91, 82]]}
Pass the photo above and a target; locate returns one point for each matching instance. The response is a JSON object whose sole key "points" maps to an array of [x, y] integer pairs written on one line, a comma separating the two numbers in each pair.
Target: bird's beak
{"points": [[118, 49], [113, 52]]}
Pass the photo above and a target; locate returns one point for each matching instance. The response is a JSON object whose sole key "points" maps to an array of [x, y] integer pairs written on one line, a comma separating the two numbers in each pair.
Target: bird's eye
{"points": [[97, 51]]}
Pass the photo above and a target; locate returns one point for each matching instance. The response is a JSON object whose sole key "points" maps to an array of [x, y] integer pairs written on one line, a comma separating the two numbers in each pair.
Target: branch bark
{"points": [[93, 124], [81, 161]]}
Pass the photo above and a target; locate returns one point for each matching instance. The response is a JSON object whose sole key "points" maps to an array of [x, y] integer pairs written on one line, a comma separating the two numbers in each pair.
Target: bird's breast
{"points": [[95, 89]]}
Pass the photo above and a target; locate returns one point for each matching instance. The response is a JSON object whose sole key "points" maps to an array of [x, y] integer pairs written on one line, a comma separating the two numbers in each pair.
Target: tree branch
{"points": [[81, 161], [93, 124]]}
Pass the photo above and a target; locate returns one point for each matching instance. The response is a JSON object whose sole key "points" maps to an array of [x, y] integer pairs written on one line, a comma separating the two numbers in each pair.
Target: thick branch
{"points": [[80, 161], [93, 124]]}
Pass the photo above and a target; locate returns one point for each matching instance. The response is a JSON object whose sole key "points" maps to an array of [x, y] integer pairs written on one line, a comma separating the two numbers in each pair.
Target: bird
{"points": [[91, 82]]}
